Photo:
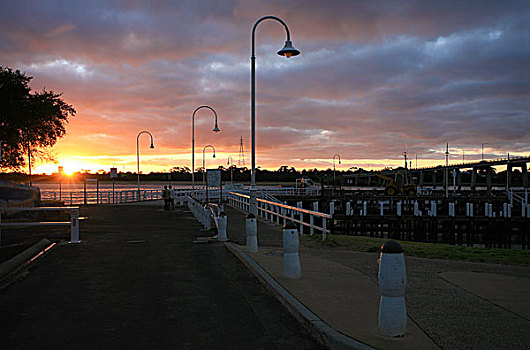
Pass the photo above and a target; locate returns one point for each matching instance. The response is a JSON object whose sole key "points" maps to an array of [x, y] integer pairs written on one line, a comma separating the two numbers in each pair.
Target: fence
{"points": [[276, 212], [110, 197]]}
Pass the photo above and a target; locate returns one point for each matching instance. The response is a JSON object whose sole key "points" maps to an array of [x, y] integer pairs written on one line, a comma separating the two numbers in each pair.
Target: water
{"points": [[73, 193]]}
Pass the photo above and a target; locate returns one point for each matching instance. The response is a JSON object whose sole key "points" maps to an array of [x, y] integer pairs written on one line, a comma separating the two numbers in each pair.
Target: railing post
{"points": [[324, 233], [301, 217], [311, 223], [74, 226]]}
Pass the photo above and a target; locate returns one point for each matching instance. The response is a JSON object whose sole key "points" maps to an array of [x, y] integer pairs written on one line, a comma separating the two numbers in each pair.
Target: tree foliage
{"points": [[28, 120]]}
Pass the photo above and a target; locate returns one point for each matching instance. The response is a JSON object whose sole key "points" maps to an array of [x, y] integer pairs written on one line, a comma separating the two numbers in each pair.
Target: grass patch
{"points": [[424, 250]]}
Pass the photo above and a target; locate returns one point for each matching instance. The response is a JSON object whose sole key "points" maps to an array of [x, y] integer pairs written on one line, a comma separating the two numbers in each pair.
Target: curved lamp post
{"points": [[204, 162], [334, 156], [138, 155], [288, 50], [215, 129]]}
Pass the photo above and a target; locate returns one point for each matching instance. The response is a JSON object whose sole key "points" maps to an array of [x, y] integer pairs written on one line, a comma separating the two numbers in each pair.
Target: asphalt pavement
{"points": [[138, 282]]}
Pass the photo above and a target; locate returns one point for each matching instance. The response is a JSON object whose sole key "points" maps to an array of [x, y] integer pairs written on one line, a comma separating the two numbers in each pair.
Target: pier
{"points": [[137, 280]]}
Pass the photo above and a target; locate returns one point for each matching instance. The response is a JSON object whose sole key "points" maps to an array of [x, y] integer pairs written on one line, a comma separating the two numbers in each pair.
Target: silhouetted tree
{"points": [[28, 120]]}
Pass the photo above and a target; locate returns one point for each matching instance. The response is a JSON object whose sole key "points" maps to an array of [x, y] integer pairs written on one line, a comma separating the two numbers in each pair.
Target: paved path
{"points": [[138, 282], [451, 304]]}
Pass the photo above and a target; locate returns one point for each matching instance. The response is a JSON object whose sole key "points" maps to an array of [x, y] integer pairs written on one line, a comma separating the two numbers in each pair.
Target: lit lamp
{"points": [[287, 51]]}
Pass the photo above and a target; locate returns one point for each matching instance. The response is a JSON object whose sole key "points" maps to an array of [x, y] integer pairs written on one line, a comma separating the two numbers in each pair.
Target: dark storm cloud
{"points": [[373, 77]]}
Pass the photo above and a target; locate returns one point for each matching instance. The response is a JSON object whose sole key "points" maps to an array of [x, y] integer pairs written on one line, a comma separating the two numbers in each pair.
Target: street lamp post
{"points": [[215, 129], [138, 155], [231, 164], [204, 163], [335, 156], [288, 50]]}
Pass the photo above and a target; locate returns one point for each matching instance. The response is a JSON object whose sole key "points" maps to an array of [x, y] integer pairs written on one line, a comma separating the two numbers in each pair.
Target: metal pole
{"points": [[215, 129], [138, 155], [253, 203], [204, 162]]}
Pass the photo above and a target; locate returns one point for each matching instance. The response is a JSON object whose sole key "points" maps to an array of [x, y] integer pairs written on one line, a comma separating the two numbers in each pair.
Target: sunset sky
{"points": [[375, 78]]}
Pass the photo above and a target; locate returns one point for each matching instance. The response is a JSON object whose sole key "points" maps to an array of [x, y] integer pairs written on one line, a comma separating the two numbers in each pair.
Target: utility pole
{"points": [[241, 160], [29, 162], [447, 170]]}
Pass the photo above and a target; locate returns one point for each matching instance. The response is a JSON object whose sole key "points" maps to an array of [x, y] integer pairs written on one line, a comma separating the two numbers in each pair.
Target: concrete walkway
{"points": [[450, 304]]}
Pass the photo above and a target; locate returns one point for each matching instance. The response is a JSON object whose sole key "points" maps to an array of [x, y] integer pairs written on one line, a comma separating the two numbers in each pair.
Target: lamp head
{"points": [[339, 161], [152, 146], [216, 128], [214, 155], [288, 50]]}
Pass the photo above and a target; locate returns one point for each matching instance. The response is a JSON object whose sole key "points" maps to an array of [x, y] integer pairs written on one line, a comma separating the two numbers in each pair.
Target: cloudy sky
{"points": [[374, 79]]}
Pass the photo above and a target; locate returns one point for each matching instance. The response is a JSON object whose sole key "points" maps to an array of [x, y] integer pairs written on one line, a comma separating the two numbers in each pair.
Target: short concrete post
{"points": [[74, 226], [392, 283], [398, 207], [291, 248], [206, 216], [221, 229], [252, 233]]}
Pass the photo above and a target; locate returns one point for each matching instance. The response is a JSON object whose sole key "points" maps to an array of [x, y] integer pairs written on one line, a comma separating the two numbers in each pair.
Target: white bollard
{"points": [[348, 206], [471, 209], [416, 211], [74, 226], [252, 233], [398, 207], [206, 217], [392, 283], [332, 208], [365, 208], [291, 248], [505, 210], [221, 231]]}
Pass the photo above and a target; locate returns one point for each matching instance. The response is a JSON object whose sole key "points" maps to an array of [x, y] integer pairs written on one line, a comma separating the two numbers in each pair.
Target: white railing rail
{"points": [[275, 212], [111, 197]]}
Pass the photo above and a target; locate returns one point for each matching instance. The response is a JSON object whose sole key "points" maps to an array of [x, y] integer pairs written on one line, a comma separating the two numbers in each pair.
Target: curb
{"points": [[319, 329], [7, 267]]}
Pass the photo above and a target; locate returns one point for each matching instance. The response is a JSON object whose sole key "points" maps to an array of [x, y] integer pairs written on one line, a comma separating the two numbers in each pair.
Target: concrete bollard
{"points": [[221, 231], [392, 283], [291, 248], [206, 217], [252, 233], [74, 226]]}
